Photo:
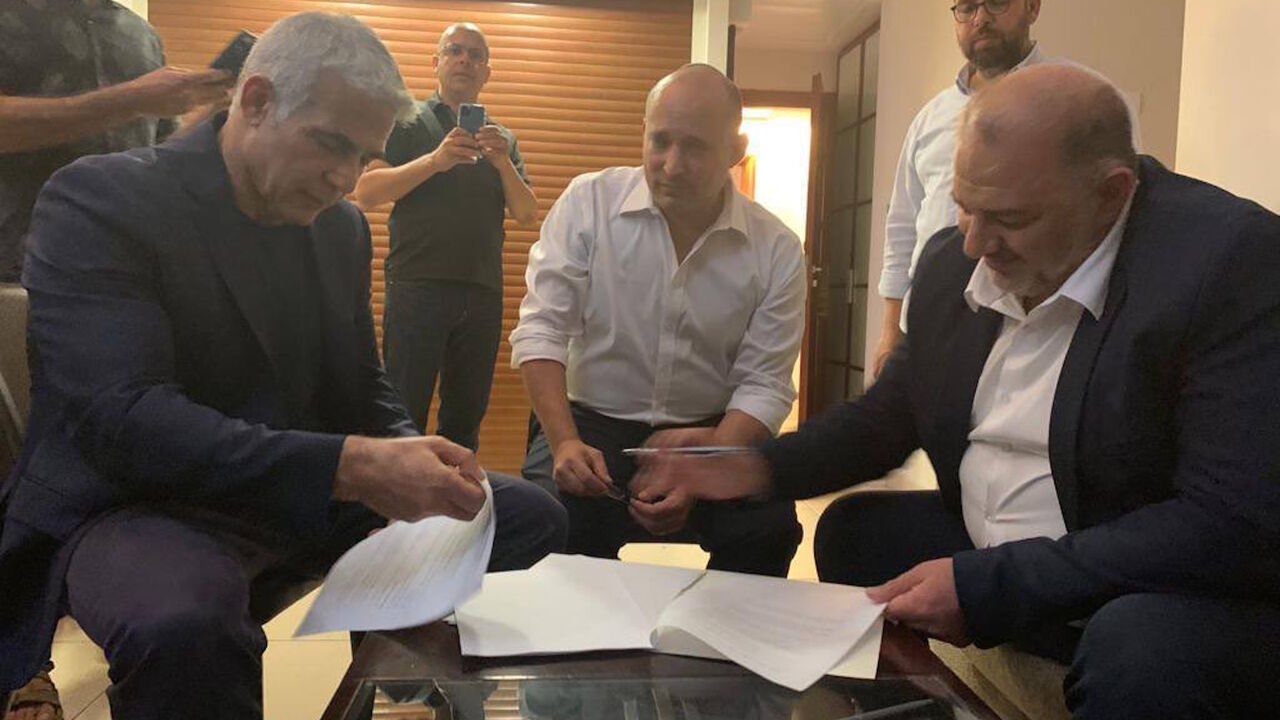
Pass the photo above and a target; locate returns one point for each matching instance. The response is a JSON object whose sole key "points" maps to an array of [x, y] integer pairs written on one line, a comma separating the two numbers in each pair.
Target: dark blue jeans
{"points": [[176, 598], [445, 329], [750, 537], [1147, 655]]}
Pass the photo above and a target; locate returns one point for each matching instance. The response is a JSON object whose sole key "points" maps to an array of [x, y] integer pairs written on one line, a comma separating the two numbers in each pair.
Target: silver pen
{"points": [[699, 450]]}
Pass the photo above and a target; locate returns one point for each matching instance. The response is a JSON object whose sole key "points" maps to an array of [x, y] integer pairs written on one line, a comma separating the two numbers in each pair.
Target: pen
{"points": [[701, 450], [892, 711]]}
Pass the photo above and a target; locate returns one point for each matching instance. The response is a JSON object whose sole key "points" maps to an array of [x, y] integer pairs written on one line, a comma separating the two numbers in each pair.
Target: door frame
{"points": [[821, 106]]}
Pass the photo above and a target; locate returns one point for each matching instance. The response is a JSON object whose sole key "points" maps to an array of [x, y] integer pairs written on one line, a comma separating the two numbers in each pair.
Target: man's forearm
{"points": [[384, 184], [521, 202], [545, 382], [739, 428], [33, 123]]}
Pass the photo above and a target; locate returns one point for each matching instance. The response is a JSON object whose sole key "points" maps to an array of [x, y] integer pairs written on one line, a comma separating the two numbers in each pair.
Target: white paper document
{"points": [[405, 575], [787, 631], [568, 603], [791, 633]]}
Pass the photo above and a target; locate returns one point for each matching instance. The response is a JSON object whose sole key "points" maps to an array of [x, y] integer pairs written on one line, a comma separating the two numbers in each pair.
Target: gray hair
{"points": [[294, 51], [469, 27]]}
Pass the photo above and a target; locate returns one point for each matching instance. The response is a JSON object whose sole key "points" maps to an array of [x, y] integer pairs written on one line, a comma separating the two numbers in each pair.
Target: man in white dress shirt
{"points": [[661, 297], [995, 38], [1093, 368]]}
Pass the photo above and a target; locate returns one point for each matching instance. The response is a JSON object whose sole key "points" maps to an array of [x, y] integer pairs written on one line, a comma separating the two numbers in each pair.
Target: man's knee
{"points": [[869, 538], [836, 539], [530, 523], [191, 629], [1137, 659]]}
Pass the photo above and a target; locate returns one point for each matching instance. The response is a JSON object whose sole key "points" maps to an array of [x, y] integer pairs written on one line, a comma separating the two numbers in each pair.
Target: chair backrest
{"points": [[15, 378]]}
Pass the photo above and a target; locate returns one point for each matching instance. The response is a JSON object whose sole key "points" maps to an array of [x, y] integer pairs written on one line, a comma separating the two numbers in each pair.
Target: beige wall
{"points": [[1137, 43], [759, 69], [1229, 126], [138, 6]]}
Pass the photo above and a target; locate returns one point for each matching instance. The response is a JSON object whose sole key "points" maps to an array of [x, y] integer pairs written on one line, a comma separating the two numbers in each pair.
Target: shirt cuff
{"points": [[770, 410], [526, 347]]}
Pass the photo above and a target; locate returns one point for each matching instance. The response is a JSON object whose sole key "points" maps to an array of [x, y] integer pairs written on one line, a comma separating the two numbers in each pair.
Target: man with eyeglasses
{"points": [[443, 312], [995, 38]]}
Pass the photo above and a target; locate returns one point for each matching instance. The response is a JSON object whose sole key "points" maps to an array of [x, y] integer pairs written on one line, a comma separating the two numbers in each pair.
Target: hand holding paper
{"points": [[408, 574]]}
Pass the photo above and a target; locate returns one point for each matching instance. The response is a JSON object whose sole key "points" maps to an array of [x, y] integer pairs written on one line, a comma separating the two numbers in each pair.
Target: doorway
{"points": [[771, 175]]}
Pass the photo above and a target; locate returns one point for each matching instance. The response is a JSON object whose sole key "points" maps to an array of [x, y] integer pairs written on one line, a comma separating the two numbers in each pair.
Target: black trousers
{"points": [[439, 329], [176, 597], [750, 537], [1149, 655]]}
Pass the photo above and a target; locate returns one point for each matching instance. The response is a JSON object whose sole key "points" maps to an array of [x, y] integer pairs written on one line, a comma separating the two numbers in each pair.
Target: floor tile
{"points": [[99, 710], [670, 554], [80, 672], [68, 630], [300, 676]]}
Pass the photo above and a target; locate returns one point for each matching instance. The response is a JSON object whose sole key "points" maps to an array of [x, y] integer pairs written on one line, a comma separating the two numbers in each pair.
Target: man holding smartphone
{"points": [[451, 174], [80, 78]]}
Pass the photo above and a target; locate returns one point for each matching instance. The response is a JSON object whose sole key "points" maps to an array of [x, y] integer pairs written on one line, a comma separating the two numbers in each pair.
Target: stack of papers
{"points": [[791, 633], [406, 574]]}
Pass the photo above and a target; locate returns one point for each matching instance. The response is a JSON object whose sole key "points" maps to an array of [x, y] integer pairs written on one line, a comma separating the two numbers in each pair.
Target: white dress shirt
{"points": [[644, 337], [921, 203], [1006, 483]]}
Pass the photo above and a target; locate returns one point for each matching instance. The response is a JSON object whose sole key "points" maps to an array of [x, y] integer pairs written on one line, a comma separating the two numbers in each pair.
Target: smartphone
{"points": [[470, 117], [235, 53]]}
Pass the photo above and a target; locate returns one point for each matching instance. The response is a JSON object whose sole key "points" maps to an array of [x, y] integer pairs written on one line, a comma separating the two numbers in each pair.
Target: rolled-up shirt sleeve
{"points": [[767, 356], [900, 224], [556, 282]]}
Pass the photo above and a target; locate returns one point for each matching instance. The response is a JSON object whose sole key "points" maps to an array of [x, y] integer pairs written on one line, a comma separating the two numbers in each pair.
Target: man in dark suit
{"points": [[211, 427], [1094, 370]]}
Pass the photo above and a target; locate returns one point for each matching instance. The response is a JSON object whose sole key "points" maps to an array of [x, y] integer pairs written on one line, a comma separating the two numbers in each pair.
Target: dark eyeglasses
{"points": [[967, 11], [477, 55]]}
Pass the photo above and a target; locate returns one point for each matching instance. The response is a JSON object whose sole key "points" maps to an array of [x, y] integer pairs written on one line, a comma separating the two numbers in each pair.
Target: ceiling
{"points": [[813, 25]]}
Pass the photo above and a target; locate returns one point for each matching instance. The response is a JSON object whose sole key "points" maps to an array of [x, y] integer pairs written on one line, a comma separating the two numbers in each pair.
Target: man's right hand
{"points": [[457, 148], [171, 91], [410, 478], [580, 469]]}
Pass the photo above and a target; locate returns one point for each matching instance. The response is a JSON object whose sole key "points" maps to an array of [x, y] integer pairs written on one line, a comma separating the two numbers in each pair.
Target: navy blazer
{"points": [[154, 375], [1164, 437]]}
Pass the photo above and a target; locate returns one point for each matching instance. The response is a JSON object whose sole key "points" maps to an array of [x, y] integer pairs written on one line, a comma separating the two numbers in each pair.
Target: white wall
{"points": [[710, 33], [1137, 43], [761, 69], [1229, 127]]}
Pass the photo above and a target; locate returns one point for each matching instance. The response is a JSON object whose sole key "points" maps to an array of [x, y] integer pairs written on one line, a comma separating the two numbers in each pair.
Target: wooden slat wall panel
{"points": [[569, 78]]}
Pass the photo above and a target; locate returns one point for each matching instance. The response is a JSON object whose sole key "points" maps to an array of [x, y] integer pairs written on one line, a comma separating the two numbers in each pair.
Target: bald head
{"points": [[698, 83], [1059, 109], [691, 140]]}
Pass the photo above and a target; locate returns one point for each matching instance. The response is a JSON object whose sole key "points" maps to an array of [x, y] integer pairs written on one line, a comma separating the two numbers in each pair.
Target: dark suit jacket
{"points": [[1164, 436], [155, 378]]}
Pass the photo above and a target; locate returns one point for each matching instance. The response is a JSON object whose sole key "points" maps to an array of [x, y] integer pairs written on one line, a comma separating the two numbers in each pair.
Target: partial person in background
{"points": [[659, 297], [1093, 368], [80, 77], [995, 38], [77, 77], [210, 427], [443, 314]]}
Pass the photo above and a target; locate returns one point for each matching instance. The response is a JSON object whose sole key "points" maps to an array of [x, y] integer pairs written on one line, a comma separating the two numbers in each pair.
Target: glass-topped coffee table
{"points": [[418, 673]]}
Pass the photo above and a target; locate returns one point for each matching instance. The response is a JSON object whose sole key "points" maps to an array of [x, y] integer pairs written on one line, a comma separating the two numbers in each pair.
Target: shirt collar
{"points": [[733, 216], [962, 78], [1087, 286]]}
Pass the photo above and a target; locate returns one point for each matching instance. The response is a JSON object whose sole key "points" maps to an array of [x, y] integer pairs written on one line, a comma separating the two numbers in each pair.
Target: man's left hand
{"points": [[662, 515], [924, 598], [492, 142]]}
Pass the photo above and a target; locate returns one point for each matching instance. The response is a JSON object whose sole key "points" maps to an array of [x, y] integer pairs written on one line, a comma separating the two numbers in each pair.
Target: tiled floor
{"points": [[300, 675]]}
